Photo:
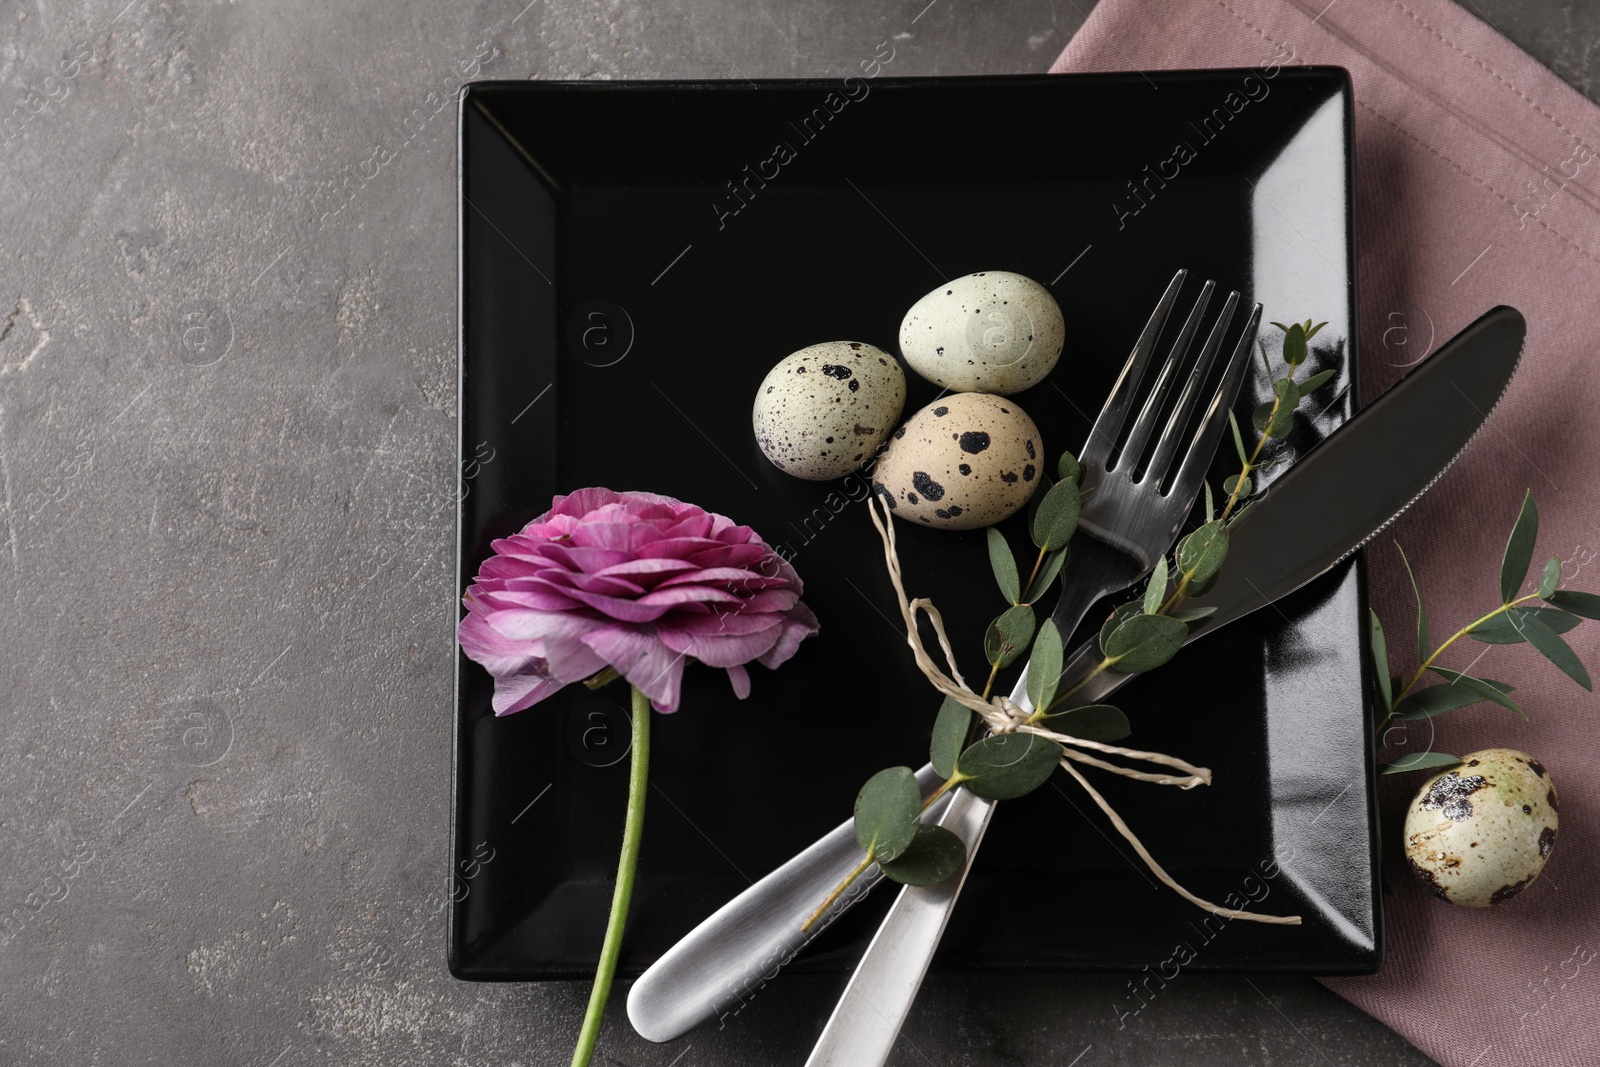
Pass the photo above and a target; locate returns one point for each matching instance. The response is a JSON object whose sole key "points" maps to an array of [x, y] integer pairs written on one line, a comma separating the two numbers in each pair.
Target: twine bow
{"points": [[1002, 715]]}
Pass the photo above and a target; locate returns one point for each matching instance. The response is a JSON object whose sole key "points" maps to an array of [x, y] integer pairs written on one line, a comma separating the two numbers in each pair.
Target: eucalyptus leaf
{"points": [[1316, 381], [1275, 417], [1554, 649], [1232, 481], [1585, 604], [1057, 516], [1417, 761], [1238, 439], [1006, 766], [1047, 574], [1122, 613], [933, 855], [1312, 331], [1502, 629], [887, 809], [1519, 550], [949, 736], [1201, 588], [1156, 592], [1194, 614], [1044, 665], [1069, 469], [1294, 345], [1380, 662], [1092, 722], [1422, 611], [1551, 578], [1008, 636], [1004, 565], [1145, 642], [1438, 699], [1200, 554], [1492, 691], [1211, 507]]}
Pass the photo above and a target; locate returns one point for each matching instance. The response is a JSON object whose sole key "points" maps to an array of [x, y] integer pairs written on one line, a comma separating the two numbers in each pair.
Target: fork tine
{"points": [[1145, 424], [1108, 427], [1189, 399], [1204, 445]]}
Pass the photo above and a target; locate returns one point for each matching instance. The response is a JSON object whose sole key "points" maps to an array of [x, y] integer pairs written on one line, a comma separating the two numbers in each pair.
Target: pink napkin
{"points": [[1477, 183]]}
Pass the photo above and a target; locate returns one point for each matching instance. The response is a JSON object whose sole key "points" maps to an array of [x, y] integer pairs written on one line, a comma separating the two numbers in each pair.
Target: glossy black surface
{"points": [[585, 197]]}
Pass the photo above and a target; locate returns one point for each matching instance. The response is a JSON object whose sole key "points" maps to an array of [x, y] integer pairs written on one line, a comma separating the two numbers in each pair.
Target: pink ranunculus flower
{"points": [[635, 581]]}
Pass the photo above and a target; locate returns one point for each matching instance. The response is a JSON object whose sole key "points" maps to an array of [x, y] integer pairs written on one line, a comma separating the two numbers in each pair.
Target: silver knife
{"points": [[1332, 501]]}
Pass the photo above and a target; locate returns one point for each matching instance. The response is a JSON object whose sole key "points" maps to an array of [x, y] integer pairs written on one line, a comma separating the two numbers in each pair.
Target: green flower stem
{"points": [[838, 891], [632, 834], [1458, 635]]}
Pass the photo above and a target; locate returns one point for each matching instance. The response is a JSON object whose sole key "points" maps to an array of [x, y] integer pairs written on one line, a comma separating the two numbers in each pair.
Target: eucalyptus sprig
{"points": [[1517, 620], [1137, 637]]}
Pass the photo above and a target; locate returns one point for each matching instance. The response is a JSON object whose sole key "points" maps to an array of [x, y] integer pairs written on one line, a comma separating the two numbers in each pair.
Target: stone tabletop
{"points": [[227, 471]]}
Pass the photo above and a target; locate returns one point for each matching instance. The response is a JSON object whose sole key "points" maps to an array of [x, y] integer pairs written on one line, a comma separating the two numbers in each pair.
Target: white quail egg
{"points": [[992, 332], [964, 461], [822, 411], [1480, 833]]}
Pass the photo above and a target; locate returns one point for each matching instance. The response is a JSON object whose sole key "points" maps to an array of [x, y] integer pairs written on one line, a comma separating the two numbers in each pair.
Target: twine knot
{"points": [[1002, 715]]}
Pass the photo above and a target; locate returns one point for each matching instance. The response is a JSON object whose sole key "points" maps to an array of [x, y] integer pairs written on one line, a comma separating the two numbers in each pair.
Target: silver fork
{"points": [[1132, 513], [722, 962]]}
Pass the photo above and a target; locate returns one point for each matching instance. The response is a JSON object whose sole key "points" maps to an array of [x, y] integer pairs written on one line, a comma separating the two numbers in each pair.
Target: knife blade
{"points": [[1329, 503]]}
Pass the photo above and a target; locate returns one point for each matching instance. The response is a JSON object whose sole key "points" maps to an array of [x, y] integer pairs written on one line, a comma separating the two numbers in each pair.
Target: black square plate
{"points": [[636, 256]]}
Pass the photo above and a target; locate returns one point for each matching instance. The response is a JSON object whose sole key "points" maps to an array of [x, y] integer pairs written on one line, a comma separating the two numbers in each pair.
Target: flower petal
{"points": [[518, 691], [684, 594], [521, 624], [582, 501], [613, 535], [498, 653], [569, 660], [743, 580], [641, 609], [799, 625], [675, 547], [642, 569], [725, 649], [643, 660], [741, 681]]}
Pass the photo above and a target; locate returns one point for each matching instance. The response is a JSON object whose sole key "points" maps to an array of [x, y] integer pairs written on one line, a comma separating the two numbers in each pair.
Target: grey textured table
{"points": [[227, 460]]}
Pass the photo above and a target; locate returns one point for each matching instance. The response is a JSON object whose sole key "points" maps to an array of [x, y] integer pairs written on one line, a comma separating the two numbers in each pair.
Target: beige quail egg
{"points": [[992, 332], [822, 411], [1480, 833], [964, 461]]}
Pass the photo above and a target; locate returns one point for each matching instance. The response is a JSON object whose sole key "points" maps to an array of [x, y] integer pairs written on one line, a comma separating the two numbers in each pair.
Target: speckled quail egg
{"points": [[991, 332], [964, 461], [822, 411], [1480, 833]]}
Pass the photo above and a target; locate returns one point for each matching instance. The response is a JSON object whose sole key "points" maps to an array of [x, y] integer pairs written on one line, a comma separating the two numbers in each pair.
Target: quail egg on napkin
{"points": [[1480, 833]]}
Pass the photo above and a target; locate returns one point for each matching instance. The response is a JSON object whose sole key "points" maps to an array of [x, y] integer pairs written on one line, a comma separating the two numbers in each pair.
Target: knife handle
{"points": [[862, 1030], [721, 963]]}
